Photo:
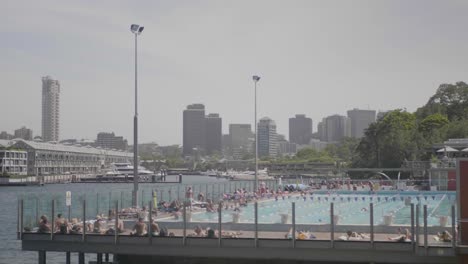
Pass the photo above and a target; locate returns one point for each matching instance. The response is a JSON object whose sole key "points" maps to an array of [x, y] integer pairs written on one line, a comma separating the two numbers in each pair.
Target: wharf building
{"points": [[360, 121], [300, 129], [50, 109], [202, 134], [12, 161], [110, 141], [24, 133], [267, 138], [47, 158]]}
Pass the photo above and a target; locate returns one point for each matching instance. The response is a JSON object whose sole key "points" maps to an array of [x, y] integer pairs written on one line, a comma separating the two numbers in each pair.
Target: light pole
{"points": [[136, 30], [256, 78]]}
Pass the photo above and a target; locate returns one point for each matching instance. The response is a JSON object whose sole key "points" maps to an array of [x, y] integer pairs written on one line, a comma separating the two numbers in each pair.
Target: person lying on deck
{"points": [[406, 237]]}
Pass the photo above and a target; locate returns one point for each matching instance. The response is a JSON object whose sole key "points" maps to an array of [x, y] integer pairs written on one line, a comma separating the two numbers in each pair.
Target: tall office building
{"points": [[194, 127], [337, 127], [360, 120], [241, 139], [213, 133], [267, 138], [24, 133], [110, 141], [50, 109], [300, 129]]}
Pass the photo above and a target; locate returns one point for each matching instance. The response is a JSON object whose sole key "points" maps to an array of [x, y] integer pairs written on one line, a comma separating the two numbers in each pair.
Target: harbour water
{"points": [[10, 248]]}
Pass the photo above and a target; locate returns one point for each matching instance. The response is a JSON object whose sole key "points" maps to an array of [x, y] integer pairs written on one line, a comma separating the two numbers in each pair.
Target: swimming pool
{"points": [[351, 208]]}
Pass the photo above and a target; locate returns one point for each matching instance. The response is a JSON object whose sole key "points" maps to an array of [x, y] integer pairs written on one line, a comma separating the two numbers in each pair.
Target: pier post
{"points": [[18, 216], [42, 257], [21, 219], [371, 213], [219, 225], [178, 193], [37, 210], [425, 225], [417, 226], [256, 223], [81, 258], [212, 192], [110, 203], [454, 228], [67, 258], [293, 224], [332, 226], [116, 233], [150, 219], [180, 178], [184, 235], [412, 228], [52, 221], [83, 238], [97, 203], [121, 199]]}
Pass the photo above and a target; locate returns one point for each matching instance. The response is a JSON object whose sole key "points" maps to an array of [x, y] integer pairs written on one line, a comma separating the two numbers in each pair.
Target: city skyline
{"points": [[306, 53]]}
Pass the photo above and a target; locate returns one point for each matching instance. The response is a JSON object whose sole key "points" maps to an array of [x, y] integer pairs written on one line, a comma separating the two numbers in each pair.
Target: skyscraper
{"points": [[360, 120], [267, 138], [213, 133], [24, 133], [337, 127], [300, 129], [194, 129], [241, 139], [50, 109]]}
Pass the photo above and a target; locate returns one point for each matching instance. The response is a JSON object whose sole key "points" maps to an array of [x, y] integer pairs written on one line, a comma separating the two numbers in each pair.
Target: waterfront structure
{"points": [[213, 133], [5, 136], [300, 129], [194, 129], [13, 162], [47, 158], [50, 109], [360, 121], [24, 133], [267, 138], [110, 141]]}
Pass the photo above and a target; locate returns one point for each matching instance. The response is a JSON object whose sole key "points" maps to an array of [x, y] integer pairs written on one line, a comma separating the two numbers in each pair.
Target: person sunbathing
{"points": [[445, 236], [406, 237], [140, 228], [44, 226]]}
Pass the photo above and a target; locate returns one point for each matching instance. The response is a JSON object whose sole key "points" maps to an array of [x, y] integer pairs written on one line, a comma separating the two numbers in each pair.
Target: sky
{"points": [[317, 58]]}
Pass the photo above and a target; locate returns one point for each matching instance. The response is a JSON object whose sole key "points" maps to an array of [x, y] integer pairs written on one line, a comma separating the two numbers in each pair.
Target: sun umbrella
{"points": [[447, 149]]}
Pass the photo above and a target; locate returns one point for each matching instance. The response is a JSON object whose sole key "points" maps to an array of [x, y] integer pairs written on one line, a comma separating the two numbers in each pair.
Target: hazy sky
{"points": [[315, 57]]}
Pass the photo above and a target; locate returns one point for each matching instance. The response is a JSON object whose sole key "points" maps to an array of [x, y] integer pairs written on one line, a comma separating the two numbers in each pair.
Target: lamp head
{"points": [[256, 78], [134, 28], [140, 30]]}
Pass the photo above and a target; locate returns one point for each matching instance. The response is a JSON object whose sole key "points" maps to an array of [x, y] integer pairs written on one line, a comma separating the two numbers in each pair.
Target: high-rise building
{"points": [[24, 133], [267, 138], [50, 109], [194, 127], [337, 127], [322, 130], [241, 139], [213, 133], [360, 120], [110, 141], [300, 129], [285, 148], [5, 135]]}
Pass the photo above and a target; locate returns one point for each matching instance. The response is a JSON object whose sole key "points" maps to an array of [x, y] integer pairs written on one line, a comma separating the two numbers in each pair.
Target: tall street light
{"points": [[256, 78], [136, 30]]}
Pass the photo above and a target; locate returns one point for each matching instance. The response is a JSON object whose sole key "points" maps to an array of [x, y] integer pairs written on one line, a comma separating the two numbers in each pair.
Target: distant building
{"points": [[242, 139], [5, 135], [285, 148], [381, 114], [214, 133], [194, 129], [360, 121], [337, 127], [110, 141], [315, 144], [300, 129], [267, 138], [24, 133], [50, 109], [322, 130]]}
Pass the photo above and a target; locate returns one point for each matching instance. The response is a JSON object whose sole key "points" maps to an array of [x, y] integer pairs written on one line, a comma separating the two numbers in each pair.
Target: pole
{"points": [[412, 228], [256, 141], [371, 212], [332, 225], [294, 224], [219, 224], [454, 234], [135, 134], [256, 224], [425, 225]]}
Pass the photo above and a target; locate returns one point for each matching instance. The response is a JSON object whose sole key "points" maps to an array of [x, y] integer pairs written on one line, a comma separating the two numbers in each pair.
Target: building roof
{"points": [[5, 143], [72, 148]]}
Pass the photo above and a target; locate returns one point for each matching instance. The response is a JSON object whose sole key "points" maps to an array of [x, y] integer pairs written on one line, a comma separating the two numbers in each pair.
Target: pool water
{"points": [[352, 208]]}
